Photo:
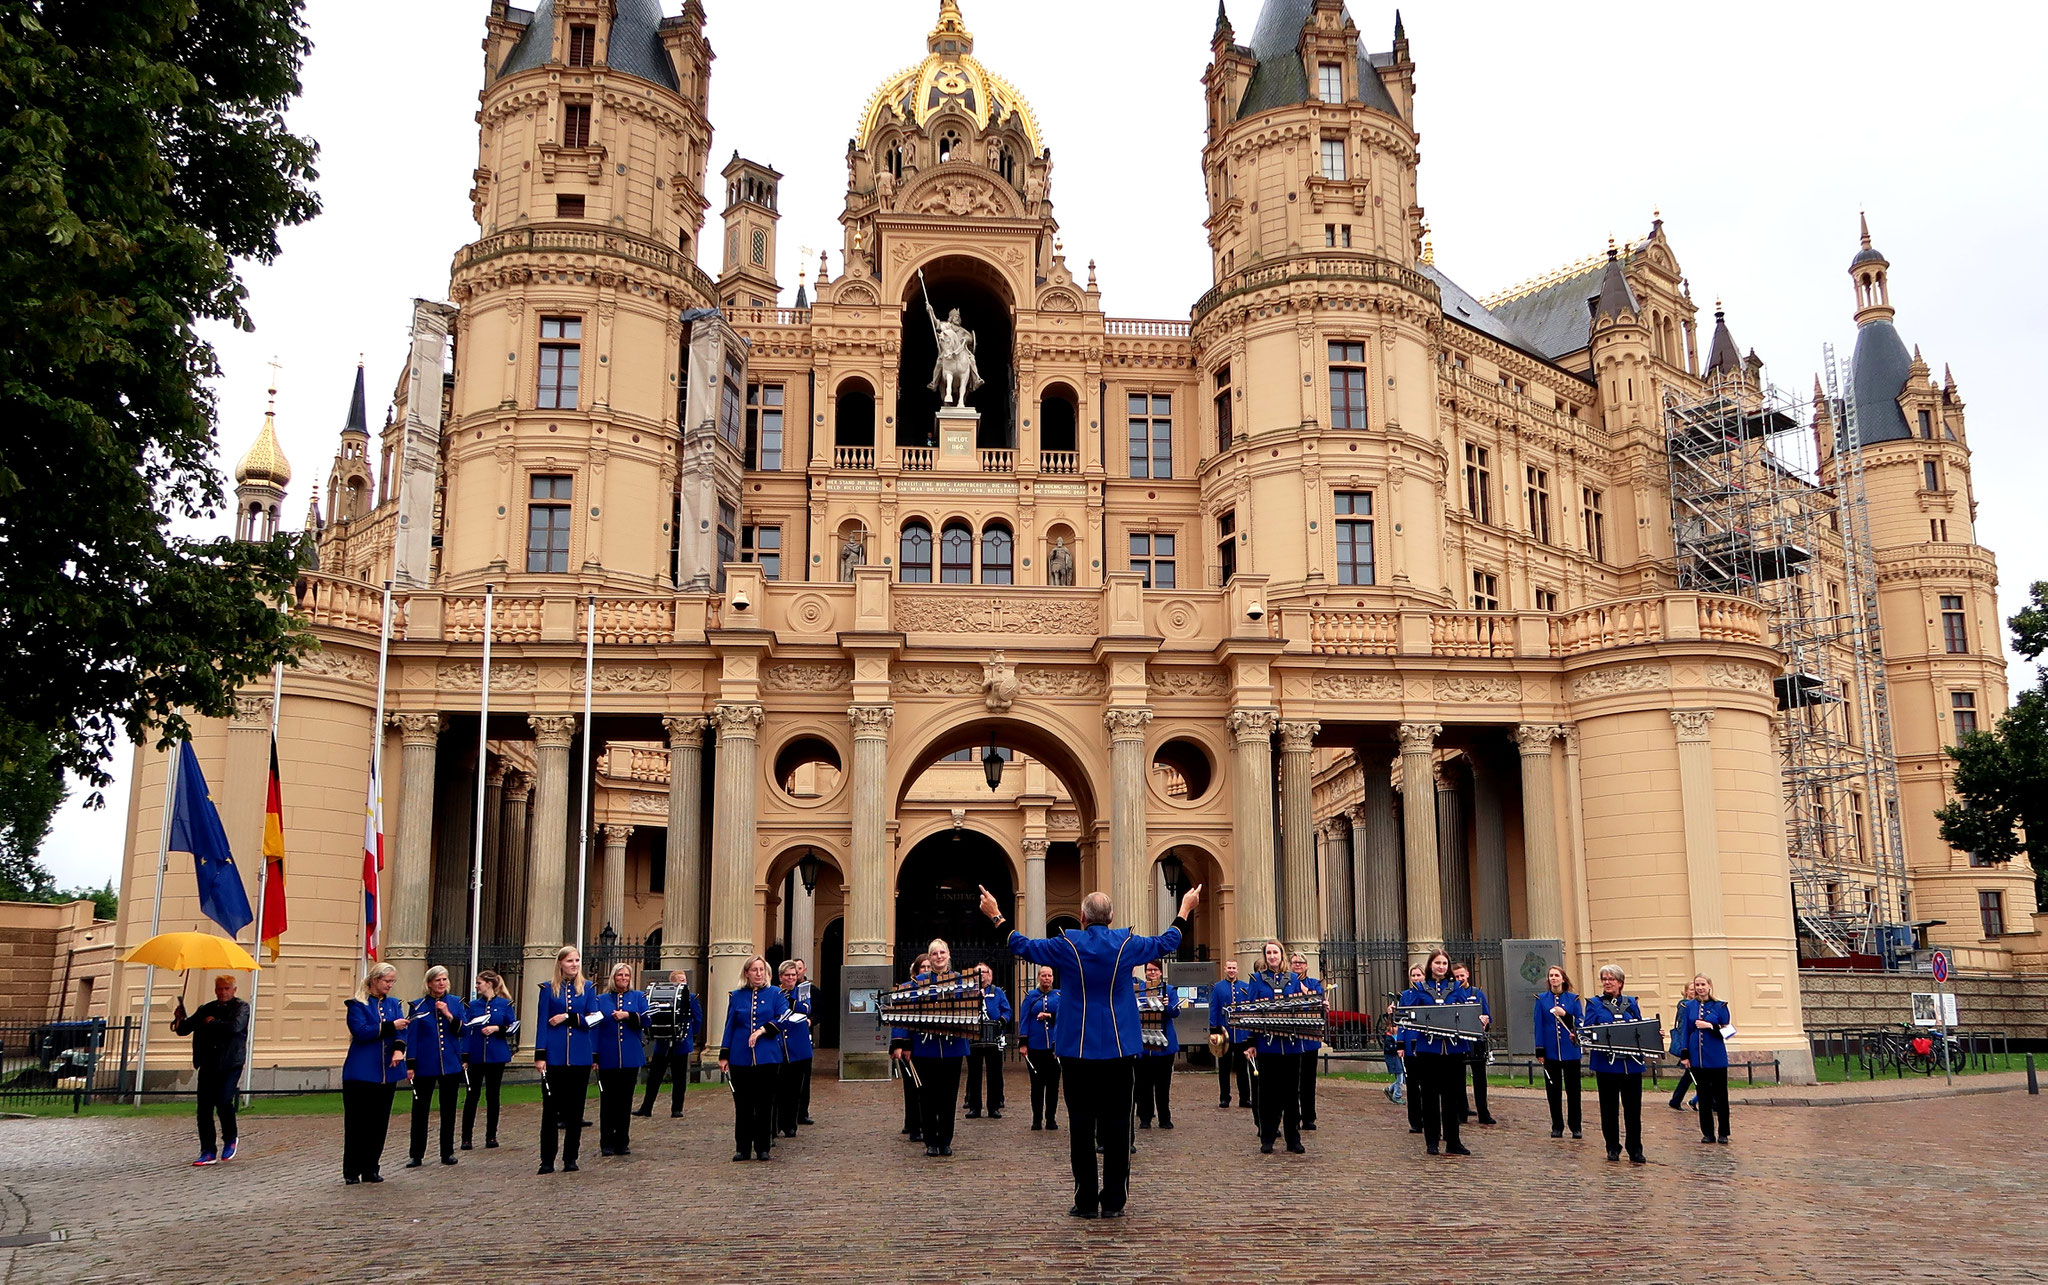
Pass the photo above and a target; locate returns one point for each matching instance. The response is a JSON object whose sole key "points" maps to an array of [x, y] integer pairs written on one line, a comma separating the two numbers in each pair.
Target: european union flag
{"points": [[196, 828]]}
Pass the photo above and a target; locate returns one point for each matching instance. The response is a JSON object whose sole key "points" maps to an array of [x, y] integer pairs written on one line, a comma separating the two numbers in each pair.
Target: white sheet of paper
{"points": [[593, 1019], [1728, 1031]]}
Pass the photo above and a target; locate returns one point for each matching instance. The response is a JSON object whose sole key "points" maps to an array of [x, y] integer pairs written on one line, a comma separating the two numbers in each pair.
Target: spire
{"points": [[358, 420], [264, 463], [1723, 357], [802, 300], [951, 29], [1864, 219], [1868, 271], [1615, 297], [1400, 31], [1225, 33]]}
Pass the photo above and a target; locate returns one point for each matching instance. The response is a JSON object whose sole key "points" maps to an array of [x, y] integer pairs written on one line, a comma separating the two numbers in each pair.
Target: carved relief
{"points": [[504, 678], [1252, 724], [1619, 679], [970, 614], [1369, 687], [1741, 678], [251, 711], [1189, 682], [1063, 820], [960, 196], [1467, 690], [627, 678], [810, 612], [934, 680], [1420, 738], [809, 678], [653, 803], [1126, 724], [350, 665], [1063, 682], [1691, 723], [998, 684]]}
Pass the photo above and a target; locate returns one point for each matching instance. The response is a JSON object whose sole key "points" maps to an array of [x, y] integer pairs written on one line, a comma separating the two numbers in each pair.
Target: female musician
{"points": [[938, 1059], [1475, 1051], [751, 1049], [621, 1011], [1678, 1050], [1034, 1023], [899, 1054], [1558, 1013], [375, 1063], [562, 1056], [1620, 1078], [1155, 1064], [1306, 1049], [1700, 1020], [433, 1058], [792, 1085], [1434, 1072], [485, 1053], [1274, 1059], [1404, 1066]]}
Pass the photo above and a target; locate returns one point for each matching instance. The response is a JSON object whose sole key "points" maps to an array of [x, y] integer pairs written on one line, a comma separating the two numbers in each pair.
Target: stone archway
{"points": [[938, 894]]}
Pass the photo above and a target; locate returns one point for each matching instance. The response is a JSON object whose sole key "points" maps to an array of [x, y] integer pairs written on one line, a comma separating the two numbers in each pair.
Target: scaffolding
{"points": [[1763, 509]]}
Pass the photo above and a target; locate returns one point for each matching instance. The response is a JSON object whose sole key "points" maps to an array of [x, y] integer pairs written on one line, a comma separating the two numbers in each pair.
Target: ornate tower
{"points": [[260, 479], [747, 279], [348, 481]]}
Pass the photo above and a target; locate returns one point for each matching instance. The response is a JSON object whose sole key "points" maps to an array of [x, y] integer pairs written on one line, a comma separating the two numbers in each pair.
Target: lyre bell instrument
{"points": [[1299, 1017], [1152, 1017], [1441, 1021], [949, 1004], [668, 1010], [1639, 1040]]}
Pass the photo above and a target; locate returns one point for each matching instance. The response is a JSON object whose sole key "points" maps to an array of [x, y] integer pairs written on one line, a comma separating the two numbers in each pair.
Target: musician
{"points": [[899, 1054], [562, 1055], [1475, 1050], [1231, 1057], [1434, 1073], [1275, 1059], [1096, 1034], [793, 1081], [1705, 1050], [485, 1053], [1620, 1078], [433, 1061], [1307, 1048], [674, 1053], [374, 1066], [751, 1049], [1405, 1087], [220, 1047], [622, 1012], [938, 1060], [1154, 1070], [996, 1006], [1558, 1014], [1035, 1024], [1685, 1080], [803, 1094]]}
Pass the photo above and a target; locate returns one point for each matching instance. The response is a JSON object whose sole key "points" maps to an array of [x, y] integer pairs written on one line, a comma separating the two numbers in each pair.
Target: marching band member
{"points": [[1475, 1050], [937, 1059], [374, 1066], [1275, 1059], [433, 1060], [485, 1053], [674, 1053], [1558, 1014], [1620, 1078], [1231, 1057], [621, 1011], [899, 1054], [751, 1049], [803, 1091], [1678, 1046], [988, 1058], [1155, 1064], [1035, 1024], [1433, 1073], [1700, 1020], [561, 1054], [1305, 1091], [1097, 1055], [793, 1080], [1403, 1040]]}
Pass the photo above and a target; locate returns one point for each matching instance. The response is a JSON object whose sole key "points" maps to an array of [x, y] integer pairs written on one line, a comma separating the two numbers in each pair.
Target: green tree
{"points": [[143, 150], [2001, 781], [31, 787]]}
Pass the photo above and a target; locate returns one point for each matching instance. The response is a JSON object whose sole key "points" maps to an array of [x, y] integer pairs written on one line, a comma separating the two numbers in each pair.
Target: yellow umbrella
{"points": [[183, 951]]}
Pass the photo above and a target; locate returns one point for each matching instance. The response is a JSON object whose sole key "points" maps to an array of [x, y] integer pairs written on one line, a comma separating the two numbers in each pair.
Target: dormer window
{"points": [[576, 125], [1330, 82], [582, 46], [1333, 159]]}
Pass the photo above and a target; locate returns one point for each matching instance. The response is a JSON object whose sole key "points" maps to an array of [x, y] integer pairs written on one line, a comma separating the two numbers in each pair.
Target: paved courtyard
{"points": [[1945, 1189]]}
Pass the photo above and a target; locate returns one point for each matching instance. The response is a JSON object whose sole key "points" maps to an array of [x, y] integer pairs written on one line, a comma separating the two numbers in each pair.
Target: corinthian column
{"points": [[408, 892], [1338, 916], [1418, 826], [615, 837], [1251, 830], [493, 872], [1702, 834], [682, 905], [867, 910], [1376, 838], [732, 853], [1490, 918], [1539, 833], [1128, 885], [511, 921], [1034, 887], [547, 854], [1299, 915], [1454, 871]]}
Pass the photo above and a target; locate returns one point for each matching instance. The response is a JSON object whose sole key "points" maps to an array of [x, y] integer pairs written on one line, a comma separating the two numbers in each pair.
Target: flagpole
{"points": [[262, 877], [374, 805], [589, 686], [483, 739], [156, 913]]}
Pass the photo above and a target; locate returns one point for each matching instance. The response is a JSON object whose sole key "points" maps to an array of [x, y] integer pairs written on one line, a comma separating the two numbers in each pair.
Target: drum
{"points": [[668, 1011]]}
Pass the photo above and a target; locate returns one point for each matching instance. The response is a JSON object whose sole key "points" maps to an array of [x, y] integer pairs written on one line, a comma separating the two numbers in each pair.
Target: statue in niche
{"points": [[956, 368], [1059, 565], [851, 554], [885, 187], [998, 684]]}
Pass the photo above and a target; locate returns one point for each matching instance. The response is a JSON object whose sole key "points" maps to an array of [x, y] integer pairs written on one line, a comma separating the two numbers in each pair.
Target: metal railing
{"points": [[51, 1061]]}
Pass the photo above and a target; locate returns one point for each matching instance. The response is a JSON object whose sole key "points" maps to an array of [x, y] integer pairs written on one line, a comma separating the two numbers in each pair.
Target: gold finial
{"points": [[1610, 245], [1428, 249], [951, 27], [275, 366]]}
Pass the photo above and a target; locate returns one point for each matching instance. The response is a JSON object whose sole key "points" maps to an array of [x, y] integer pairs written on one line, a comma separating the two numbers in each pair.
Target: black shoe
{"points": [[373, 1177], [1166, 1124], [932, 1150], [945, 1150], [738, 1156], [490, 1144], [1144, 1124], [1265, 1148], [605, 1151], [414, 1163], [1675, 1105], [1557, 1133], [675, 1115], [1244, 1106], [1415, 1128], [917, 1137], [1308, 1126], [1486, 1119], [802, 1119], [622, 1151], [789, 1133], [1722, 1141], [993, 1115], [1224, 1105], [1037, 1125], [1296, 1149], [974, 1115], [466, 1146], [447, 1160], [350, 1182], [588, 1125], [645, 1113], [1457, 1149], [1432, 1148], [763, 1156], [1052, 1124], [1112, 1213], [1638, 1158], [568, 1166], [1077, 1212], [1613, 1154], [1577, 1136]]}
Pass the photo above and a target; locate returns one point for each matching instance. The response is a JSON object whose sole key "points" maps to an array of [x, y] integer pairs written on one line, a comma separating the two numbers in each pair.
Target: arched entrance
{"points": [[983, 299], [826, 1004], [937, 895]]}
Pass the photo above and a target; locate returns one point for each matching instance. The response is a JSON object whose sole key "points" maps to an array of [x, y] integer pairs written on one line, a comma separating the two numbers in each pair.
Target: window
{"points": [[998, 554], [1546, 600], [1937, 530], [582, 46], [1955, 636], [764, 427], [763, 545], [1485, 591], [729, 401], [576, 125], [561, 362], [1478, 483], [914, 557], [956, 554], [728, 550], [1337, 236], [1536, 497], [1834, 599], [760, 249], [1859, 830], [972, 755], [1595, 520], [1333, 158], [1354, 537], [1926, 425], [1930, 471], [1223, 430], [1330, 82], [547, 522], [1152, 556], [1347, 385], [1991, 907], [569, 207], [1226, 544], [1963, 709], [1151, 436]]}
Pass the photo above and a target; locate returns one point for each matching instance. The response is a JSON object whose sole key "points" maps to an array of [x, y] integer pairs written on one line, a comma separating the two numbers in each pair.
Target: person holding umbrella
{"points": [[220, 1047]]}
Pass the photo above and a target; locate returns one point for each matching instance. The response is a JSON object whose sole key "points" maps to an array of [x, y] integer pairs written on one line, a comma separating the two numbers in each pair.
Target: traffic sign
{"points": [[1940, 965]]}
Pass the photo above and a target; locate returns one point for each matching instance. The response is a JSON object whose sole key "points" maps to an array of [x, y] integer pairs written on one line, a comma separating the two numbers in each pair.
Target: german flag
{"points": [[273, 861]]}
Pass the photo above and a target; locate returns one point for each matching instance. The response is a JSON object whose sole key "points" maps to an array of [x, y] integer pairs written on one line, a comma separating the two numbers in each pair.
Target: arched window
{"points": [[997, 558], [956, 554], [914, 564]]}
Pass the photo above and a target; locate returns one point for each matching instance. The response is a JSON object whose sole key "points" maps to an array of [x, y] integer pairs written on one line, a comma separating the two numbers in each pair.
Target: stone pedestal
{"points": [[958, 434]]}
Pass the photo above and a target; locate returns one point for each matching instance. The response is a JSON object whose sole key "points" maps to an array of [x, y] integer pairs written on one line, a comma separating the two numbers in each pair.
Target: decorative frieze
{"points": [[1367, 687], [1074, 683], [808, 678], [1619, 679], [1189, 682], [935, 680], [514, 676], [1740, 678], [1467, 689], [973, 614]]}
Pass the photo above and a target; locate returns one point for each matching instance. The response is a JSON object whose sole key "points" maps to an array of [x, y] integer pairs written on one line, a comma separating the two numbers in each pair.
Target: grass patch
{"points": [[262, 1105]]}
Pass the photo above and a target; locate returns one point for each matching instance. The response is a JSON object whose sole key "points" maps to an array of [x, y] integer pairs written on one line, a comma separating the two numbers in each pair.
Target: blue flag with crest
{"points": [[196, 828]]}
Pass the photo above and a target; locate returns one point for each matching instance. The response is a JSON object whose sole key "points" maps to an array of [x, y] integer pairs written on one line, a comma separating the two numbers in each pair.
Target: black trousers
{"points": [[485, 1079], [753, 1108], [792, 1092], [1153, 1076], [989, 1062], [1309, 1061], [1713, 1084], [1621, 1102], [938, 1102], [1561, 1086], [365, 1123], [1474, 1071], [913, 1122], [1044, 1068], [1099, 1110], [1685, 1081], [1233, 1062], [615, 1107], [217, 1093], [424, 1087], [1412, 1090], [1279, 1097], [561, 1106], [1436, 1078], [660, 1062]]}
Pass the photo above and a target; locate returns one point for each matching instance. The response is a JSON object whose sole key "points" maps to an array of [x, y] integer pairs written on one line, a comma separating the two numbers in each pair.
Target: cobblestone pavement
{"points": [[1927, 1190]]}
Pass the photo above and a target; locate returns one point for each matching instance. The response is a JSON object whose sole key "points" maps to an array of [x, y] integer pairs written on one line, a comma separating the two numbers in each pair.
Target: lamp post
{"points": [[807, 870], [1175, 874], [992, 766]]}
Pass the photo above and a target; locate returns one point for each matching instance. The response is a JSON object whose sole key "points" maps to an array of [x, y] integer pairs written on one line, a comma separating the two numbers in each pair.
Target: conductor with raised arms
{"points": [[1097, 1036]]}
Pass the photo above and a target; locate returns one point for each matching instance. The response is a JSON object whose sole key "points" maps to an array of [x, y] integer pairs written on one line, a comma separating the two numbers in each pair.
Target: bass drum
{"points": [[668, 1006]]}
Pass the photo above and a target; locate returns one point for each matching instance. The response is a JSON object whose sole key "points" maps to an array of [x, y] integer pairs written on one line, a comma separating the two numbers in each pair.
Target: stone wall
{"points": [[54, 961], [2016, 1005]]}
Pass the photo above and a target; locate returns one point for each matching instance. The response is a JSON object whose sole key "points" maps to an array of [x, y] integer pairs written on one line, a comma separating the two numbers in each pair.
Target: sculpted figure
{"points": [[851, 555], [998, 683], [1059, 565], [956, 369]]}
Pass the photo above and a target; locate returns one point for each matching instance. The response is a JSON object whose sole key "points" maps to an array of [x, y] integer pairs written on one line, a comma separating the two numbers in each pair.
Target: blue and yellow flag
{"points": [[196, 828]]}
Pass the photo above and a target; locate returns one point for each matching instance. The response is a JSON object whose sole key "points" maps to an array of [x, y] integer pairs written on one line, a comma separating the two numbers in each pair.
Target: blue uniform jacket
{"points": [[433, 1045], [1099, 1019], [1706, 1050], [693, 1034], [796, 1027], [488, 1050], [617, 1038], [1222, 994], [1314, 984], [930, 1043], [1172, 1008], [1599, 1014], [1265, 985], [1558, 1046], [1036, 1032], [1444, 992], [1485, 1010], [745, 1009], [998, 1005], [372, 1040], [569, 1043]]}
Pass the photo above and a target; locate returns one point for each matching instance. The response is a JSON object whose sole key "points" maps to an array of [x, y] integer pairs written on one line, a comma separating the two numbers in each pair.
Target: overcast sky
{"points": [[1760, 130]]}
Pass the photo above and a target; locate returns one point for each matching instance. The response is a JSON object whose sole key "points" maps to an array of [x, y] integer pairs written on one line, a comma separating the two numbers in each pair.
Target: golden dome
{"points": [[949, 76], [265, 462]]}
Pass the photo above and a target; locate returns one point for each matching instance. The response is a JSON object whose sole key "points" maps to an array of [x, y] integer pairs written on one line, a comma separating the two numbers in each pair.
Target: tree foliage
{"points": [[143, 150], [2000, 809], [31, 787]]}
